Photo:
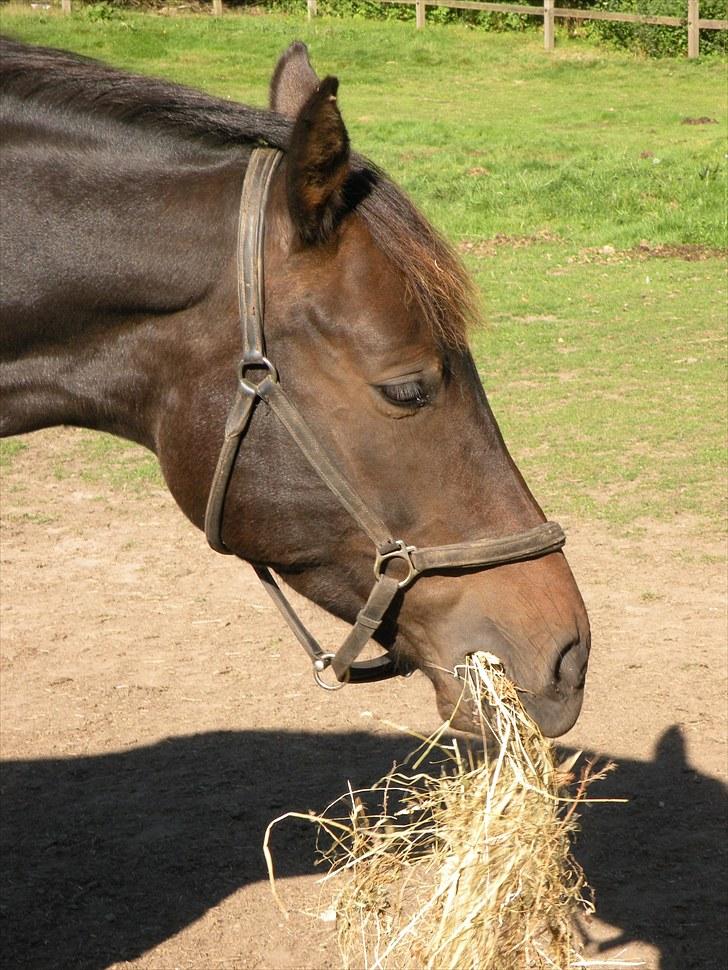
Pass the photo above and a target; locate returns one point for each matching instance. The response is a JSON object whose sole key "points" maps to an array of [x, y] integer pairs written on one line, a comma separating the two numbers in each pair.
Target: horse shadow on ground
{"points": [[106, 856]]}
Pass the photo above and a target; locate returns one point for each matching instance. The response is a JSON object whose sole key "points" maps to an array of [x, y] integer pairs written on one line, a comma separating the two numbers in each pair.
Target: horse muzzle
{"points": [[549, 675]]}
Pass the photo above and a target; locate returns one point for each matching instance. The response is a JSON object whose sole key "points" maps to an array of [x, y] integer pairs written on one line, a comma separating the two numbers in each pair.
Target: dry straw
{"points": [[462, 861]]}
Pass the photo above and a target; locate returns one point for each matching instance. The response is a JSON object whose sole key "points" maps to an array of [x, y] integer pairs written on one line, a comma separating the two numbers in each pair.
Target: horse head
{"points": [[365, 318]]}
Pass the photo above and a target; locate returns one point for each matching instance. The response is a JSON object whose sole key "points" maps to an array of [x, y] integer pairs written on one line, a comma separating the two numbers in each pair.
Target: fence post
{"points": [[66, 6], [693, 28], [312, 11], [420, 14], [548, 25], [217, 8]]}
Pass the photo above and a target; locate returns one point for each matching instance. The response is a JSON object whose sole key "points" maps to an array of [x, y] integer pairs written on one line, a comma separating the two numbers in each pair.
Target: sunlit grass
{"points": [[607, 374], [9, 448], [106, 460], [609, 381]]}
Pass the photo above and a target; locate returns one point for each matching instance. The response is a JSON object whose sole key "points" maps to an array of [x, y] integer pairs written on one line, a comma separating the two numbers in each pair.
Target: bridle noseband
{"points": [[545, 538]]}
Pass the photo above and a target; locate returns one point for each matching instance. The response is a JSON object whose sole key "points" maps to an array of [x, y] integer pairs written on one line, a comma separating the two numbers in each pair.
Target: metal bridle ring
{"points": [[319, 665], [401, 551], [256, 360]]}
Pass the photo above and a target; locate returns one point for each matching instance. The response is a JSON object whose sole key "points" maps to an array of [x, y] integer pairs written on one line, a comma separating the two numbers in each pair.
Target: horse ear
{"points": [[318, 164], [293, 81]]}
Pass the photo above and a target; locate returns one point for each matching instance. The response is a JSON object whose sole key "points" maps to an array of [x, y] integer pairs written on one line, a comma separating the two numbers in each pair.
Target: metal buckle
{"points": [[319, 665], [403, 552], [251, 360]]}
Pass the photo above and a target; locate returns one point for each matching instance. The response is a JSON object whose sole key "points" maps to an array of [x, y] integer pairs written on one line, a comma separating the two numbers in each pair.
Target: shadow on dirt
{"points": [[103, 857], [658, 865]]}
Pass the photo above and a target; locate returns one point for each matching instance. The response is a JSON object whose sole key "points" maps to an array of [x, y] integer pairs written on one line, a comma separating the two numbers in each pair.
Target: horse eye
{"points": [[407, 393]]}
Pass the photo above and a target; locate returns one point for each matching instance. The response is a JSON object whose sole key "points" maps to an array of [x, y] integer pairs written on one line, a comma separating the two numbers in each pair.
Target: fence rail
{"points": [[549, 12]]}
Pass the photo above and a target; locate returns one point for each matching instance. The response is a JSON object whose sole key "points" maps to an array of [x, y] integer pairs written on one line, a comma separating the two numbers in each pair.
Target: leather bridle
{"points": [[482, 553]]}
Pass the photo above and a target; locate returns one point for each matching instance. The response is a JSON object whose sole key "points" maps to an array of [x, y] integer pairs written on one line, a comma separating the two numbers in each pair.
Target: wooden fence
{"points": [[549, 12]]}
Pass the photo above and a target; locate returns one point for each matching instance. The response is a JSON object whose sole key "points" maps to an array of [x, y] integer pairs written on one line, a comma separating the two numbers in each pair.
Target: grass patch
{"points": [[35, 518], [101, 459], [574, 188], [9, 448], [609, 381], [120, 464]]}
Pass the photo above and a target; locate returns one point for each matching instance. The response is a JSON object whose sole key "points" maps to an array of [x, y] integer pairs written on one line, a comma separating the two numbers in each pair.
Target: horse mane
{"points": [[437, 283]]}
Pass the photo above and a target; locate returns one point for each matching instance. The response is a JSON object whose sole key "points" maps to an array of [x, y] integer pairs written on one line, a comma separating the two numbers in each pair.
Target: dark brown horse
{"points": [[120, 201]]}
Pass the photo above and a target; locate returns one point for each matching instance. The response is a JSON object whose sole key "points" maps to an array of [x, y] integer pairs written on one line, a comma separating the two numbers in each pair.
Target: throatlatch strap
{"points": [[251, 281], [237, 423], [251, 250], [307, 640]]}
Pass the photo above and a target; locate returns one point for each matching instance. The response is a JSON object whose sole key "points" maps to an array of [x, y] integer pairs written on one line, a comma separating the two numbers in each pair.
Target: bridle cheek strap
{"points": [[411, 561]]}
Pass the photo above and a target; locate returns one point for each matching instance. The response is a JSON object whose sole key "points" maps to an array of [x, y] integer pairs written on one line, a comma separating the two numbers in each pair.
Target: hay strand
{"points": [[461, 859]]}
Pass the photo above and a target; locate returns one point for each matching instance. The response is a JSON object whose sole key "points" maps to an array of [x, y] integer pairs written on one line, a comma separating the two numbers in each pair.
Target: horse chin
{"points": [[554, 716]]}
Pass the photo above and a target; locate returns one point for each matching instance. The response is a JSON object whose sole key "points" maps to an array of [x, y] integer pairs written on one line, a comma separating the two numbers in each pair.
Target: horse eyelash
{"points": [[408, 392]]}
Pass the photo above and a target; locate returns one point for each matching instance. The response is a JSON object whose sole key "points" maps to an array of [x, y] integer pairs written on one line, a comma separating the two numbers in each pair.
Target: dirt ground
{"points": [[156, 715]]}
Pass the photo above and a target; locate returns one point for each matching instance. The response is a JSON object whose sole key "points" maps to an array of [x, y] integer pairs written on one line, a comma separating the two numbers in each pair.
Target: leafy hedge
{"points": [[658, 41], [654, 41], [374, 10]]}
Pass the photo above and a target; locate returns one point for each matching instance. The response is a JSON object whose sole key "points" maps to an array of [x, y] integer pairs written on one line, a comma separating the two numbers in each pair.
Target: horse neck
{"points": [[117, 265]]}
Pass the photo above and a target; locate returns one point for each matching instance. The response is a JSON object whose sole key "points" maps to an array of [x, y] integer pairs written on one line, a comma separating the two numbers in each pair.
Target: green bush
{"points": [[654, 40], [374, 10], [359, 9], [102, 10]]}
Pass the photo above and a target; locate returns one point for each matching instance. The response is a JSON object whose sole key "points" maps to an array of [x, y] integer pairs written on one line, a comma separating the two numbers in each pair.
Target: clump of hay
{"points": [[463, 863]]}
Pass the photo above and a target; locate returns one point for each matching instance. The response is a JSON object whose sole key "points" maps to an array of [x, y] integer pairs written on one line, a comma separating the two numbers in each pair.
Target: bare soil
{"points": [[156, 716], [689, 252]]}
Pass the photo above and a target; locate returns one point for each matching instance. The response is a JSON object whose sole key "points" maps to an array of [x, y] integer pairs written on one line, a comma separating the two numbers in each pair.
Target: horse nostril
{"points": [[571, 665]]}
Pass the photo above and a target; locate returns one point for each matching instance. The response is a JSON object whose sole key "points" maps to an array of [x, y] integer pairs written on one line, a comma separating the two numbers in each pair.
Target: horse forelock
{"points": [[438, 287]]}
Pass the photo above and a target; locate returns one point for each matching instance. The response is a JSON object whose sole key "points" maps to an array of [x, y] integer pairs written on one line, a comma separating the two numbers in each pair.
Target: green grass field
{"points": [[592, 216]]}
